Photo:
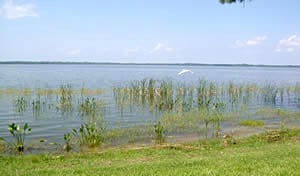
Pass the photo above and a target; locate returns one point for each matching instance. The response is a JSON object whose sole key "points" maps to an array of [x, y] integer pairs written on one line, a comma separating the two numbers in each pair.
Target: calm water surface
{"points": [[53, 125]]}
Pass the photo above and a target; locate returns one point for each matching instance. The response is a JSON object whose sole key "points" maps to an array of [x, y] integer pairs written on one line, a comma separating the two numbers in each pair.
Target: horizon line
{"points": [[145, 63]]}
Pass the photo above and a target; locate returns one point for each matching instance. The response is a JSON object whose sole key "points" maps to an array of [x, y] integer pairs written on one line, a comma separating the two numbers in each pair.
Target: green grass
{"points": [[255, 155], [252, 123]]}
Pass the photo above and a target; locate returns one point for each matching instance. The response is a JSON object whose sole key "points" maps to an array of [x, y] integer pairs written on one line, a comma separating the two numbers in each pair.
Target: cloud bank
{"points": [[290, 44], [11, 11], [251, 42]]}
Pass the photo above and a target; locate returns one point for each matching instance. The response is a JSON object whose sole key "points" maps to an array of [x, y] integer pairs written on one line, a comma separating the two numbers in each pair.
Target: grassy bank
{"points": [[273, 153]]}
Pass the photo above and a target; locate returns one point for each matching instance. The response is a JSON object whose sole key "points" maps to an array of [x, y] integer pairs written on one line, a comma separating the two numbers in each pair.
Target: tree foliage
{"points": [[232, 1]]}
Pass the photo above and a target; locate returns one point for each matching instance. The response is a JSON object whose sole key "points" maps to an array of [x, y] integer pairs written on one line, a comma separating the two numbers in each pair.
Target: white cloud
{"points": [[251, 42], [162, 47], [10, 10], [289, 45]]}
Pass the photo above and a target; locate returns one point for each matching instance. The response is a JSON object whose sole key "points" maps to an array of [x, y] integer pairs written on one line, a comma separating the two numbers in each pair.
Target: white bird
{"points": [[184, 71]]}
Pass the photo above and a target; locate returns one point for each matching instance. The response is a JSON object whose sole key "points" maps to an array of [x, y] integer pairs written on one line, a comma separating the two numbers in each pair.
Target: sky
{"points": [[151, 31]]}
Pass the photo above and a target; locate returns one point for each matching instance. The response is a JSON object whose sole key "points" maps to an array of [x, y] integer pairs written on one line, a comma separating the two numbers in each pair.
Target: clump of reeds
{"points": [[88, 107], [20, 104], [159, 131], [65, 101], [269, 93]]}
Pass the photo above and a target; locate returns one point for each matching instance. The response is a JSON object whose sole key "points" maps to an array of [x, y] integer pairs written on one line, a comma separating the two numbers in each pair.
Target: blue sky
{"points": [[169, 31]]}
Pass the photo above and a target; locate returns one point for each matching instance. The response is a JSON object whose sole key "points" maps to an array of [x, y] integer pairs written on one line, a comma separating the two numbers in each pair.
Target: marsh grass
{"points": [[65, 100], [40, 104], [49, 91], [20, 104], [89, 92], [283, 114], [88, 107], [2, 144], [159, 131], [269, 93], [252, 123], [16, 91]]}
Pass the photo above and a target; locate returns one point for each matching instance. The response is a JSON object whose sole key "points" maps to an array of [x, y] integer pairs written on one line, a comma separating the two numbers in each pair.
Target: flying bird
{"points": [[184, 71]]}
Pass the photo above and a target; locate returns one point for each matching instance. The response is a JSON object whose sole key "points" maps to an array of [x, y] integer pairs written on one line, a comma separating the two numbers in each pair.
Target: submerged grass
{"points": [[252, 123], [49, 91], [250, 156]]}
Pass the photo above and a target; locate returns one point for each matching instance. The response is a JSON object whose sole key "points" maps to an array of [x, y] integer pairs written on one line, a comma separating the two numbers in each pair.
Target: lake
{"points": [[51, 124]]}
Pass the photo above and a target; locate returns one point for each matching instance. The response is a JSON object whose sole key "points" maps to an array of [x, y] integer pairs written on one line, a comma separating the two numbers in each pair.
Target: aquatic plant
{"points": [[159, 132], [165, 98], [283, 114], [85, 91], [68, 139], [212, 117], [281, 93], [183, 99], [19, 135], [20, 104], [216, 118], [203, 100], [91, 135], [123, 97], [151, 91], [66, 94], [88, 107], [269, 93], [234, 93], [251, 123], [2, 145]]}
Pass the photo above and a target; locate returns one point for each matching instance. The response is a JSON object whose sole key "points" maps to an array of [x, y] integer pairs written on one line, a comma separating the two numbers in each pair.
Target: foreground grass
{"points": [[268, 154]]}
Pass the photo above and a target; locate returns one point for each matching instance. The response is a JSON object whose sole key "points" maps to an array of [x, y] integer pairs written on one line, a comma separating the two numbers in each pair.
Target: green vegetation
{"points": [[283, 114], [252, 123], [176, 114], [19, 135], [2, 145], [232, 1], [88, 107], [20, 104], [68, 139], [159, 133], [255, 155], [65, 103], [91, 135], [205, 109]]}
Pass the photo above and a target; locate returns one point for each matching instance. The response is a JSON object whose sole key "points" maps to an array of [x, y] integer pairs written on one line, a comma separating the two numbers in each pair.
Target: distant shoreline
{"points": [[117, 63]]}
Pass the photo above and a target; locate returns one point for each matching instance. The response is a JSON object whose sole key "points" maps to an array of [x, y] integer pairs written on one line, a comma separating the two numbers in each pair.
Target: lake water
{"points": [[53, 125], [103, 76]]}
